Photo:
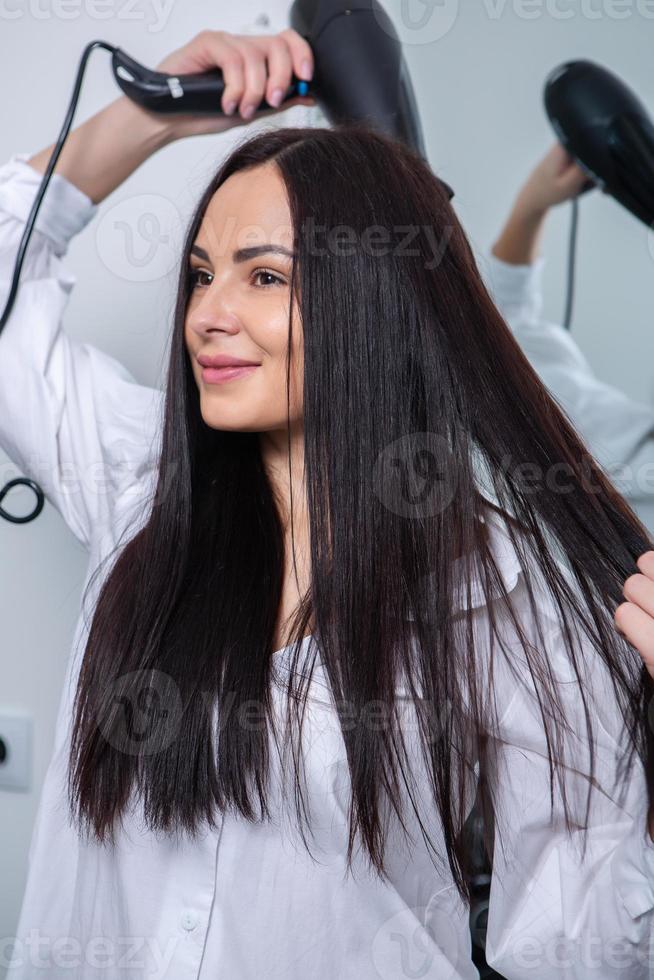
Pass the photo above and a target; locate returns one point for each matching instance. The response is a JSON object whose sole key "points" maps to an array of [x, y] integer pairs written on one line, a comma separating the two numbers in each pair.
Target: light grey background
{"points": [[479, 88]]}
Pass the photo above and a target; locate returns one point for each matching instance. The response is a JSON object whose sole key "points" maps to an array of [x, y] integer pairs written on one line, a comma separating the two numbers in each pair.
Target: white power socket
{"points": [[15, 752]]}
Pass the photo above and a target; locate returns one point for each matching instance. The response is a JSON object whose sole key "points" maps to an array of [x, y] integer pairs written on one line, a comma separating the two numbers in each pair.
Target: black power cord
{"points": [[22, 250], [572, 250]]}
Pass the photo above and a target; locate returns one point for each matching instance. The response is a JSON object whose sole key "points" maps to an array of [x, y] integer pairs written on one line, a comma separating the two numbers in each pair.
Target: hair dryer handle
{"points": [[192, 93]]}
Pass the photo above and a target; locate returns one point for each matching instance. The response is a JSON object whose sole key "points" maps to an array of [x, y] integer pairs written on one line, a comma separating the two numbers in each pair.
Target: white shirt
{"points": [[246, 902], [618, 430]]}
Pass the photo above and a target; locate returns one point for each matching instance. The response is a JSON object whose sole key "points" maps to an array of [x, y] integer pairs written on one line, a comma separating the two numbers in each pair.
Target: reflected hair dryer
{"points": [[607, 130]]}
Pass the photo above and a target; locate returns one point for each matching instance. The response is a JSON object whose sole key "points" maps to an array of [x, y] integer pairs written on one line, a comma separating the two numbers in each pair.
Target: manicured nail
{"points": [[306, 71], [229, 108], [248, 111], [276, 97]]}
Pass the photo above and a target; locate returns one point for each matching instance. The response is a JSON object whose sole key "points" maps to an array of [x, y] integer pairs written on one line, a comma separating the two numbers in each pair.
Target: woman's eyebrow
{"points": [[243, 254]]}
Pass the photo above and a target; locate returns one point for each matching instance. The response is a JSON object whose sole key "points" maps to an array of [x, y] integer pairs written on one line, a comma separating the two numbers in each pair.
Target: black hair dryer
{"points": [[607, 130], [361, 74]]}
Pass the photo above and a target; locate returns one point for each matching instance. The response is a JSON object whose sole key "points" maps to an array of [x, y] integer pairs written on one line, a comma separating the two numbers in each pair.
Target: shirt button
{"points": [[189, 919]]}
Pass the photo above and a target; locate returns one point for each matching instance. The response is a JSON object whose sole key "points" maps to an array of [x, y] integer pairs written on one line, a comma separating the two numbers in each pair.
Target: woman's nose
{"points": [[214, 311]]}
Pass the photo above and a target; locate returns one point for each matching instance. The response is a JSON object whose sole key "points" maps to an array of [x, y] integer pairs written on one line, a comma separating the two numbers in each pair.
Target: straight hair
{"points": [[416, 395]]}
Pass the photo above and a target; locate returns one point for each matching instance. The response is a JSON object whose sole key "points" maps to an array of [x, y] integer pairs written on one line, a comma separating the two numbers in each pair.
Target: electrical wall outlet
{"points": [[15, 752]]}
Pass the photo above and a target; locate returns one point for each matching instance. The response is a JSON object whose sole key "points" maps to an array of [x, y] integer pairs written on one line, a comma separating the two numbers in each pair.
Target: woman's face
{"points": [[239, 305]]}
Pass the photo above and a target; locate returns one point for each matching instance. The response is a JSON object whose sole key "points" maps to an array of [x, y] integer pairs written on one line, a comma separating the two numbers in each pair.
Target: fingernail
{"points": [[306, 71], [229, 108], [276, 97], [248, 111]]}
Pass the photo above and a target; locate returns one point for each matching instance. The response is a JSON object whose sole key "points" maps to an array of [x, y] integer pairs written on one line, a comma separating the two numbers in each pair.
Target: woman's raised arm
{"points": [[72, 417]]}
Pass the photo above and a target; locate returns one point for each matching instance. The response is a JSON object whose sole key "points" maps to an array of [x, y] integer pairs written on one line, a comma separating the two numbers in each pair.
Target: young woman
{"points": [[332, 595]]}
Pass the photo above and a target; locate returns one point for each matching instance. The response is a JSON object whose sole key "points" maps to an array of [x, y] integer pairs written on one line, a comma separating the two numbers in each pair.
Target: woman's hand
{"points": [[101, 153], [554, 179], [255, 67], [635, 617]]}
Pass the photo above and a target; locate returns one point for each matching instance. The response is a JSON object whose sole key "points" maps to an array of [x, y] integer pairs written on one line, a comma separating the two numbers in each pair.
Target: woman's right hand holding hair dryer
{"points": [[254, 67], [102, 152]]}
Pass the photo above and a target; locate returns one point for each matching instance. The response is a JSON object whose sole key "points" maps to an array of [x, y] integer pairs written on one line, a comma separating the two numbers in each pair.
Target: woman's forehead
{"points": [[249, 208]]}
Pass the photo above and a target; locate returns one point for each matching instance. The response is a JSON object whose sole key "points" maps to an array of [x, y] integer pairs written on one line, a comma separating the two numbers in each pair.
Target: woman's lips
{"points": [[213, 375]]}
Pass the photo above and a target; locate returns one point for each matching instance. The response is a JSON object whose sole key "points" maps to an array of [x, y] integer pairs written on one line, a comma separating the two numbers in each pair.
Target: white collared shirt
{"points": [[245, 901]]}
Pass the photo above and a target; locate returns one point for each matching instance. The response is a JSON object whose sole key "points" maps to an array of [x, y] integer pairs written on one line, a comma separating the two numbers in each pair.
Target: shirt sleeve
{"points": [[618, 430], [553, 911], [72, 417]]}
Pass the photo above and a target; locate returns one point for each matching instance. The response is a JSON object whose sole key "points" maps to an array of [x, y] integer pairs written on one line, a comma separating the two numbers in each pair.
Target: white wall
{"points": [[479, 87]]}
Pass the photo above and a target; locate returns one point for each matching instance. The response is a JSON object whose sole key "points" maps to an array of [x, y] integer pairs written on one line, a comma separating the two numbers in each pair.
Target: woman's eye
{"points": [[271, 275], [195, 278], [194, 275]]}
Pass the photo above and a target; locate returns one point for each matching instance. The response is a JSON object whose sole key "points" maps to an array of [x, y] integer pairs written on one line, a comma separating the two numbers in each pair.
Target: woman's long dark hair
{"points": [[419, 408]]}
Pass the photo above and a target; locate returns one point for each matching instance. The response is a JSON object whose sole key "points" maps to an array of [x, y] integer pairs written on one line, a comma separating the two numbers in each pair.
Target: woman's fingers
{"points": [[233, 69], [638, 627], [284, 55], [646, 564], [255, 76], [635, 617], [301, 53], [254, 67], [280, 68], [639, 590]]}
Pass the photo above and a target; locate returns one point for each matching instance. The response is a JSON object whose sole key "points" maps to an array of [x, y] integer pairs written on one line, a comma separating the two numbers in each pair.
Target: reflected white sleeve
{"points": [[618, 430]]}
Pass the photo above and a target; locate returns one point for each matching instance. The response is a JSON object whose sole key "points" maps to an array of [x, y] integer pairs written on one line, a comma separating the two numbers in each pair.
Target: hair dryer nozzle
{"points": [[361, 75]]}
